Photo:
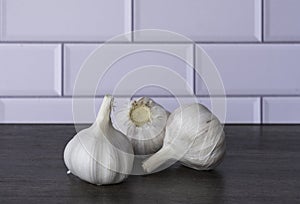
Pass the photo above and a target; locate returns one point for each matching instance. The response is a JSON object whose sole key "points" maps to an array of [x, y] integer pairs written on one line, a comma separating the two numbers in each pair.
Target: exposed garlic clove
{"points": [[194, 136], [100, 154], [143, 121]]}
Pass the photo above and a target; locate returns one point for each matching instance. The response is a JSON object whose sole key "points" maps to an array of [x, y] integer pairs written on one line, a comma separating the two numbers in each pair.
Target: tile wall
{"points": [[255, 44]]}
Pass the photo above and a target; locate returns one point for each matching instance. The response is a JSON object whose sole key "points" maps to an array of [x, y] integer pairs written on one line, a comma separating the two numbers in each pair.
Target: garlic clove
{"points": [[194, 136], [143, 122], [100, 154]]}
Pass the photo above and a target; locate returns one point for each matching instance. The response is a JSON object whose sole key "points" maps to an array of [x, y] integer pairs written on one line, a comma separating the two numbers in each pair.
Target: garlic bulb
{"points": [[100, 154], [194, 136], [143, 121]]}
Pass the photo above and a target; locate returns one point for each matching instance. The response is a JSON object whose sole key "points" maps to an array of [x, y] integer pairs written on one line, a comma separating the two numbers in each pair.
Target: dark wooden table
{"points": [[262, 165]]}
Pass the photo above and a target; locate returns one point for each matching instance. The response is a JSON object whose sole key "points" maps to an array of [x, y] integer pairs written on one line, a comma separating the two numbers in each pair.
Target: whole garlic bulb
{"points": [[143, 121], [100, 154], [194, 136]]}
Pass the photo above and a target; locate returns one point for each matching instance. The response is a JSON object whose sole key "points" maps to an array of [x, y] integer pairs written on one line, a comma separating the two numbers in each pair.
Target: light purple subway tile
{"points": [[74, 57], [127, 74], [281, 110], [30, 70], [239, 110], [67, 20], [200, 20], [282, 20], [47, 110], [250, 69]]}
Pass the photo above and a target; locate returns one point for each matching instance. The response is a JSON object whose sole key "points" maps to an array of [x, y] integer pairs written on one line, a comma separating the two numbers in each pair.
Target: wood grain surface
{"points": [[262, 165]]}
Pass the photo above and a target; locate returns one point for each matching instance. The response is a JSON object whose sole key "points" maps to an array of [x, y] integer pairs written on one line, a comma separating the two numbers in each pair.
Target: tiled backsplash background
{"points": [[255, 45]]}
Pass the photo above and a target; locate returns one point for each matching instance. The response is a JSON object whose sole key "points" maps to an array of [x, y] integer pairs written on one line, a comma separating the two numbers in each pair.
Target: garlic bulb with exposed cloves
{"points": [[100, 154], [143, 121], [194, 136]]}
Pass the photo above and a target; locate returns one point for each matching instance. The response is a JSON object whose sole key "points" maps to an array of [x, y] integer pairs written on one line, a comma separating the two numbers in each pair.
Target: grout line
{"points": [[262, 21], [2, 20], [252, 43], [132, 20], [261, 110], [94, 42], [152, 42], [194, 68], [57, 42], [251, 96], [127, 96], [47, 97], [62, 69]]}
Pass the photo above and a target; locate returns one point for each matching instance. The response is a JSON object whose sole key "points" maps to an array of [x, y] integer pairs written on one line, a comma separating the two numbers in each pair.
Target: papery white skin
{"points": [[100, 154], [148, 137], [194, 136]]}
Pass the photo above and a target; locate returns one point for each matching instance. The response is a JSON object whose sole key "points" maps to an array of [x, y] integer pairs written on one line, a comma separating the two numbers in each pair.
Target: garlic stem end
{"points": [[158, 159], [103, 116]]}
